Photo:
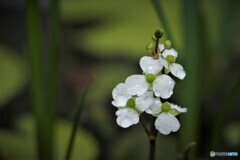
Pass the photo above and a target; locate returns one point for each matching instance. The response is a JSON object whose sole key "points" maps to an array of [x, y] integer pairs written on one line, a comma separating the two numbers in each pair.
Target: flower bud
{"points": [[150, 78], [159, 33], [168, 44], [150, 46], [165, 107]]}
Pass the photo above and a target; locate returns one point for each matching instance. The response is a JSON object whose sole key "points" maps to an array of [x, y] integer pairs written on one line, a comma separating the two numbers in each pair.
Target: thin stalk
{"points": [[152, 149], [224, 112], [152, 137], [75, 124], [37, 80], [226, 23], [162, 18], [152, 140], [190, 96], [51, 77]]}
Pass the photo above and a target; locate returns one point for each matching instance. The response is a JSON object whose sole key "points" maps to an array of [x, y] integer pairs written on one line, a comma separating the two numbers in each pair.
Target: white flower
{"points": [[166, 122], [136, 85], [175, 68], [120, 95], [163, 86], [155, 107], [127, 117], [144, 101], [178, 108], [150, 65], [171, 51]]}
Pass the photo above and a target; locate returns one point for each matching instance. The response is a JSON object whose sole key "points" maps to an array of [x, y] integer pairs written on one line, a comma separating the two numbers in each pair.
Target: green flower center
{"points": [[131, 103], [170, 59], [165, 107], [150, 78]]}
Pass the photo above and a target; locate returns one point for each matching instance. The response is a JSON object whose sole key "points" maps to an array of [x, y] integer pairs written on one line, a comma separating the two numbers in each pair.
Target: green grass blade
{"points": [[75, 124], [37, 80], [190, 96]]}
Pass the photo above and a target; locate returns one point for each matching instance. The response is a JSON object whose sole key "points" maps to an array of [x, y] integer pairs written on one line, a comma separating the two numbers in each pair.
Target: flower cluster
{"points": [[148, 92]]}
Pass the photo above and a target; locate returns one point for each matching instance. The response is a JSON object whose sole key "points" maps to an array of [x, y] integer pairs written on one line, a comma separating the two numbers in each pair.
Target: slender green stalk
{"points": [[224, 112], [152, 140], [52, 66], [190, 96], [75, 124], [162, 18], [226, 24], [37, 78]]}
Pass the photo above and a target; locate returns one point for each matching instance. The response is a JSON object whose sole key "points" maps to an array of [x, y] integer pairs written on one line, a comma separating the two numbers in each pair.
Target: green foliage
{"points": [[21, 144]]}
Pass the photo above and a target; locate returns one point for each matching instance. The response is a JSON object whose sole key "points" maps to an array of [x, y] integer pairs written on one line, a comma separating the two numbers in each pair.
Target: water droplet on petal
{"points": [[150, 67]]}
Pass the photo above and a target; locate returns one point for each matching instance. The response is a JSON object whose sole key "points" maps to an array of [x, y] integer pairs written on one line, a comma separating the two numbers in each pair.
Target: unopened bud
{"points": [[168, 44]]}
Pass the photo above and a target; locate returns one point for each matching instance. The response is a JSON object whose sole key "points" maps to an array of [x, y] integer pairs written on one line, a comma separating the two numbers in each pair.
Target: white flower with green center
{"points": [[149, 65], [129, 107], [168, 61], [166, 121], [161, 84], [127, 117]]}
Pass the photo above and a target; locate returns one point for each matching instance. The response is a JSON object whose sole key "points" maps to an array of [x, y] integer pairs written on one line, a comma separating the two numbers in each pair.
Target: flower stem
{"points": [[152, 149], [152, 136]]}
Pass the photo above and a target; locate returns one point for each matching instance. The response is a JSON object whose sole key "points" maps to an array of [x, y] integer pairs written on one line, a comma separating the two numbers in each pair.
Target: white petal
{"points": [[161, 47], [155, 108], [164, 63], [167, 52], [120, 89], [127, 117], [144, 101], [166, 123], [177, 70], [120, 101], [136, 85], [120, 95], [178, 108], [150, 65], [163, 86]]}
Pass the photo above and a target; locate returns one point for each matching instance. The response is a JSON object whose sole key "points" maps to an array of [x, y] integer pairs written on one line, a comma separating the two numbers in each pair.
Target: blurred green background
{"points": [[50, 50]]}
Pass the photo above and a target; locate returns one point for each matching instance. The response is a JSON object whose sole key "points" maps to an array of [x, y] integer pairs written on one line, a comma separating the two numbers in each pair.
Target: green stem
{"points": [[37, 80], [51, 77], [152, 137], [190, 96], [75, 124]]}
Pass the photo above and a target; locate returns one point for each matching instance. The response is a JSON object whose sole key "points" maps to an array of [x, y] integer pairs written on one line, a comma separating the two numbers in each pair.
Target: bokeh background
{"points": [[77, 42]]}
